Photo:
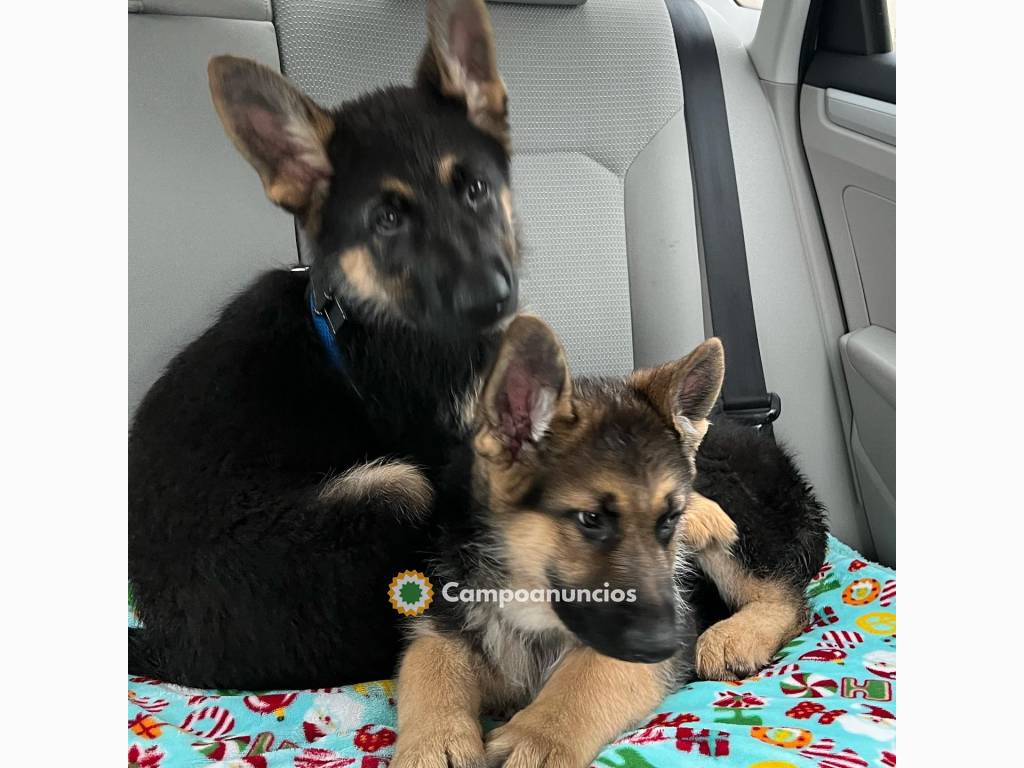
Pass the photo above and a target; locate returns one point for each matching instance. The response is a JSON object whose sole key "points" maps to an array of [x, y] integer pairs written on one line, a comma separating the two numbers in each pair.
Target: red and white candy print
{"points": [[840, 638], [211, 722], [147, 703], [888, 596], [780, 669], [825, 751], [822, 572], [808, 685]]}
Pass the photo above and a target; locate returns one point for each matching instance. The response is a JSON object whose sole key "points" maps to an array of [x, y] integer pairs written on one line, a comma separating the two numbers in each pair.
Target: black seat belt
{"points": [[745, 397]]}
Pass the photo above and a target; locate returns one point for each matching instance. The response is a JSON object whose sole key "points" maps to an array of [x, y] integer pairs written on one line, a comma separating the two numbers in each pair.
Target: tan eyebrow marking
{"points": [[445, 168], [506, 204], [399, 187], [357, 266], [666, 487]]}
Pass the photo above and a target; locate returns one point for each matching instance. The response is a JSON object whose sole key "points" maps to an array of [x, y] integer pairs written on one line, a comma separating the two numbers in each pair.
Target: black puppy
{"points": [[278, 468]]}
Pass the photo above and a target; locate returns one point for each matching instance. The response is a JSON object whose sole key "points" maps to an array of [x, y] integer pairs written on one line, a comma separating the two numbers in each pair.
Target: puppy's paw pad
{"points": [[526, 745], [449, 747], [729, 651]]}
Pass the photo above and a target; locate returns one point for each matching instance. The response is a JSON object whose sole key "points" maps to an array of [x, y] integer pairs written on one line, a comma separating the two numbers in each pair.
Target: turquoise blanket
{"points": [[827, 700]]}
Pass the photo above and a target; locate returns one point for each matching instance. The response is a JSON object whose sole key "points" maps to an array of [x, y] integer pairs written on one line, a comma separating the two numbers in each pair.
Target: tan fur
{"points": [[483, 90], [438, 704], [505, 197], [508, 209], [357, 266], [573, 700], [537, 544], [445, 168], [465, 407], [589, 700], [296, 194], [705, 524], [532, 544], [769, 614], [399, 187], [401, 485], [487, 103], [297, 181], [523, 333], [514, 672], [662, 387]]}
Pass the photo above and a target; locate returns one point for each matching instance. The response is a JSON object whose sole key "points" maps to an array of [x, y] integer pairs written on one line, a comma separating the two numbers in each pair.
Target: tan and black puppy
{"points": [[582, 488]]}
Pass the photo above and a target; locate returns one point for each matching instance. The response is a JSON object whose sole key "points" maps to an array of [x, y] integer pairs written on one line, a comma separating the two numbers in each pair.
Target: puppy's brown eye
{"points": [[386, 219], [668, 522], [477, 192], [588, 519]]}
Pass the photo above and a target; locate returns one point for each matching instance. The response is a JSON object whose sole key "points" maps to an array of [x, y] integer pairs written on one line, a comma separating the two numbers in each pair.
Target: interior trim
{"points": [[873, 76], [869, 117], [872, 353], [244, 10], [778, 42], [855, 26]]}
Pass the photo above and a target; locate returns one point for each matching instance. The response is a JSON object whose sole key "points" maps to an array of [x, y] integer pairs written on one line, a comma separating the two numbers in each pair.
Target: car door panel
{"points": [[869, 360], [848, 124]]}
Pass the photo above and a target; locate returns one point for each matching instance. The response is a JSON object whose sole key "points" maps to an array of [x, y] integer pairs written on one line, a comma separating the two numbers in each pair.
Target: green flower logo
{"points": [[410, 593]]}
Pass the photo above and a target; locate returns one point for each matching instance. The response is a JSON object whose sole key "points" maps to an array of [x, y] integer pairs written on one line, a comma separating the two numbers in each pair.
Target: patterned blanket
{"points": [[827, 700]]}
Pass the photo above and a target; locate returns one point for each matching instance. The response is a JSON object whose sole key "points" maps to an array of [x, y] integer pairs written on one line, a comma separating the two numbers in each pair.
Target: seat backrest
{"points": [[199, 225], [600, 172]]}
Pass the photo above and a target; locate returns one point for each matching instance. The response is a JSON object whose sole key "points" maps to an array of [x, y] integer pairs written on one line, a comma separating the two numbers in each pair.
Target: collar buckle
{"points": [[326, 305], [330, 308]]}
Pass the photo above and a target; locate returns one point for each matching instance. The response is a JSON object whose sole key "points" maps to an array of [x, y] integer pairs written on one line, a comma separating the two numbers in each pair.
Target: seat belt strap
{"points": [[745, 397]]}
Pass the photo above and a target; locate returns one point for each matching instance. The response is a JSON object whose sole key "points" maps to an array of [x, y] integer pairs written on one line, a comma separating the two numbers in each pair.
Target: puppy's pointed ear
{"points": [[278, 129], [685, 391], [529, 387], [460, 62]]}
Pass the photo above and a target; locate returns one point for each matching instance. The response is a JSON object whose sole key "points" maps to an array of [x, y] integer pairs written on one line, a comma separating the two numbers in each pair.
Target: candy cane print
{"points": [[222, 722]]}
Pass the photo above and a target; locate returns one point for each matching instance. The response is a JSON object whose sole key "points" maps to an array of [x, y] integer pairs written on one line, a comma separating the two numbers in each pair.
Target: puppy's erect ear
{"points": [[528, 388], [278, 129], [460, 62], [685, 391]]}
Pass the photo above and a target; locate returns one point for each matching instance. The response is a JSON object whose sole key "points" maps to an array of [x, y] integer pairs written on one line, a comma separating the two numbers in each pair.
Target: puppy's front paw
{"points": [[531, 742], [733, 649], [443, 743], [705, 525]]}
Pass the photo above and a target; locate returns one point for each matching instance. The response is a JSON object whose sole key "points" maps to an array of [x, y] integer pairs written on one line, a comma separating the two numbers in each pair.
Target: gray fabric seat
{"points": [[601, 175]]}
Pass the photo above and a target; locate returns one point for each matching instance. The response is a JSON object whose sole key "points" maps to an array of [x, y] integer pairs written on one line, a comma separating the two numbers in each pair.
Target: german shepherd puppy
{"points": [[598, 485], [275, 468]]}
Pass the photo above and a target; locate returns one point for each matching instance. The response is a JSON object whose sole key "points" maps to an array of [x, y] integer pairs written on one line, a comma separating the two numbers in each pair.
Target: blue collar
{"points": [[327, 336], [328, 318]]}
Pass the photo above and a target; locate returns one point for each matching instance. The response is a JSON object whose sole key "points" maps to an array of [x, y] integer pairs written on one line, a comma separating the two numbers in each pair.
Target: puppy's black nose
{"points": [[485, 301], [649, 644]]}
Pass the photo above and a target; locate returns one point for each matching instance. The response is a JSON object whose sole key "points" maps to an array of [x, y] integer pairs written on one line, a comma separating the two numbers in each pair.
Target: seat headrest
{"points": [[259, 10], [537, 2]]}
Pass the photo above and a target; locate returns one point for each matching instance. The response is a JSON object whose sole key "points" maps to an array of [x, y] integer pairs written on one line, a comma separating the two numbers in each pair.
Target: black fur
{"points": [[781, 524], [242, 576], [403, 132]]}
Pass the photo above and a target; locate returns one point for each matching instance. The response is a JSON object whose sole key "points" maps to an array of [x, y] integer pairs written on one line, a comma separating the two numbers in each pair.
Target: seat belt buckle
{"points": [[758, 415]]}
